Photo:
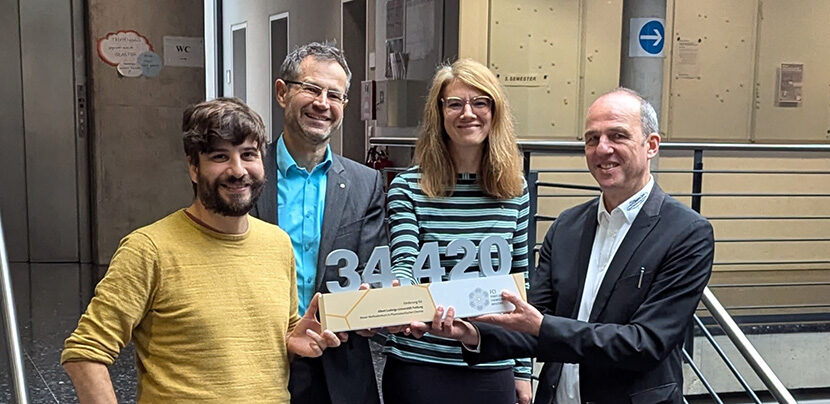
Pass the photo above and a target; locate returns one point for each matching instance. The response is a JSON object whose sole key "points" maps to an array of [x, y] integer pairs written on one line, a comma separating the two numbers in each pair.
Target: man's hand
{"points": [[524, 392], [525, 318], [447, 327], [307, 338]]}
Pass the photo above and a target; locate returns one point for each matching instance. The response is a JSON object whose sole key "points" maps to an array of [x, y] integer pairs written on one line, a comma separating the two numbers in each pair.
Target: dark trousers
{"points": [[307, 382], [420, 383]]}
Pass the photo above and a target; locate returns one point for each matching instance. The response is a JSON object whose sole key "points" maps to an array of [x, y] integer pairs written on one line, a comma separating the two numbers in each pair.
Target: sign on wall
{"points": [[646, 37], [130, 52], [184, 51]]}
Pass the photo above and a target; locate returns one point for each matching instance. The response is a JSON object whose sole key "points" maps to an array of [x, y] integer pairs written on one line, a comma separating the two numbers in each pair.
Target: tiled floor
{"points": [[49, 300]]}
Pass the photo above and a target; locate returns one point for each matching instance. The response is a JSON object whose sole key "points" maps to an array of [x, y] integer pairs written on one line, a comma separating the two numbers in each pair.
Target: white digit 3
{"points": [[347, 271]]}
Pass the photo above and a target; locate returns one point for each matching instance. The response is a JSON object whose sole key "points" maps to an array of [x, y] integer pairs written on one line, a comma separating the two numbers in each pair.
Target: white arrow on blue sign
{"points": [[646, 37]]}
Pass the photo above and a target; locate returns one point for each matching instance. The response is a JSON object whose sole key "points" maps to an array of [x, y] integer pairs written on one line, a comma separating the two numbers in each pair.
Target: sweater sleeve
{"points": [[403, 226], [122, 298]]}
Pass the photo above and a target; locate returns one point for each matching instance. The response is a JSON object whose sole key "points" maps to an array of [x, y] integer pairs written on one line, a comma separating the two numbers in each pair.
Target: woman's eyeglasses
{"points": [[479, 104], [315, 90]]}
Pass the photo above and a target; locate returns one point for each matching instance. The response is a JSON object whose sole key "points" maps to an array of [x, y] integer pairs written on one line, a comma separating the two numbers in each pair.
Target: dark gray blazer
{"points": [[629, 350], [354, 219]]}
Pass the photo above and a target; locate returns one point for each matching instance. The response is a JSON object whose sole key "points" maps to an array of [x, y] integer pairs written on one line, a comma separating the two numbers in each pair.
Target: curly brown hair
{"points": [[227, 119]]}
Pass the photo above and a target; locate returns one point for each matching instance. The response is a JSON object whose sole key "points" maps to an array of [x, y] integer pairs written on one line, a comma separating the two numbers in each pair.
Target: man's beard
{"points": [[237, 206]]}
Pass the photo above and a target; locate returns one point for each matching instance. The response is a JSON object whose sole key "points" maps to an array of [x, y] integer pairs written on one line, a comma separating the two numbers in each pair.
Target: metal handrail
{"points": [[10, 323], [730, 327], [700, 376], [555, 146], [725, 358]]}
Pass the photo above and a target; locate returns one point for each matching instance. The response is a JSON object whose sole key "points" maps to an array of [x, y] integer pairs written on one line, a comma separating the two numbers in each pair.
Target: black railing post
{"points": [[697, 189], [697, 180], [526, 164], [532, 178]]}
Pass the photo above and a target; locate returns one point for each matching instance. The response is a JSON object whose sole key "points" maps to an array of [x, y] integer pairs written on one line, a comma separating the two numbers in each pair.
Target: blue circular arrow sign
{"points": [[651, 37]]}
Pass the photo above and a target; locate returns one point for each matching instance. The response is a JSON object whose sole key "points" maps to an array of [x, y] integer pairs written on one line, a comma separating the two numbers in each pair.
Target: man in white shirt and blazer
{"points": [[618, 280]]}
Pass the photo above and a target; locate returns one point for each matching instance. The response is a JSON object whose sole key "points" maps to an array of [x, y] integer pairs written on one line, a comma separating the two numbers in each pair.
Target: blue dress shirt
{"points": [[301, 201]]}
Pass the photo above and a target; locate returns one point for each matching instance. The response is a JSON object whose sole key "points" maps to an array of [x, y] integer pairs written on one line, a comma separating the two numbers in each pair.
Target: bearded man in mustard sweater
{"points": [[208, 294]]}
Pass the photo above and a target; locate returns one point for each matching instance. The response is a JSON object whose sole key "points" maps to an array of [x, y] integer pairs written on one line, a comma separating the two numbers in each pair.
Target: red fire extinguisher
{"points": [[378, 159]]}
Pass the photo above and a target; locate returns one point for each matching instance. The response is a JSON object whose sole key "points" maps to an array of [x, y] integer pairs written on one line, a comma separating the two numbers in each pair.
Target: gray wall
{"points": [[12, 167], [140, 172]]}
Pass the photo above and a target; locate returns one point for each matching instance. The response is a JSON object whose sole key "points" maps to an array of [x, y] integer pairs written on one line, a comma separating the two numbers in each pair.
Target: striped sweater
{"points": [[468, 213]]}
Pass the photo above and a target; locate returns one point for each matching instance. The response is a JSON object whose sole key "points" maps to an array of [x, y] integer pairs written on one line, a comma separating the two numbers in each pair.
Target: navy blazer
{"points": [[354, 219], [629, 349]]}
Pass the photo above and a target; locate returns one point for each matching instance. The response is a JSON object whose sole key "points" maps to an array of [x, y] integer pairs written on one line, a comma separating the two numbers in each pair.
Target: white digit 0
{"points": [[347, 271], [457, 271], [435, 272], [381, 261], [485, 260]]}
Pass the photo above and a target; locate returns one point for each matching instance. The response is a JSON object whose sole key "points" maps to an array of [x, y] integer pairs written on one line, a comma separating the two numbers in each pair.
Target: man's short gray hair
{"points": [[290, 69], [648, 116]]}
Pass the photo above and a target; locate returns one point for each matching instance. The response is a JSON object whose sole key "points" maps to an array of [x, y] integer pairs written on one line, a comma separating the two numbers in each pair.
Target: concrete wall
{"points": [[140, 171], [798, 360]]}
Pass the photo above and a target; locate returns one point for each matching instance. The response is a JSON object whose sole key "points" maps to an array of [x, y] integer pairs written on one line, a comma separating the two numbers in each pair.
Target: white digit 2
{"points": [[485, 260], [347, 271], [457, 271], [435, 272]]}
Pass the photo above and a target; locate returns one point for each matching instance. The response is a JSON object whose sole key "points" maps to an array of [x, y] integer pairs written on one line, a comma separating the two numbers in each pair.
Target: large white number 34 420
{"points": [[427, 264]]}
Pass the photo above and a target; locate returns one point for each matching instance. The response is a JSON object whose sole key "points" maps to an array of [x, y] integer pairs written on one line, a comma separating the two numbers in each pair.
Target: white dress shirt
{"points": [[611, 230]]}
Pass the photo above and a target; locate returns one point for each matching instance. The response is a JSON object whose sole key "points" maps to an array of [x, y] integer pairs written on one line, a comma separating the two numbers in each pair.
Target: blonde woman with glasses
{"points": [[467, 184]]}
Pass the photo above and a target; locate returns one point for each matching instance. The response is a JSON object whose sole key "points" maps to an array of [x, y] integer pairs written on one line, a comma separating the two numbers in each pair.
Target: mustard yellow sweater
{"points": [[208, 312]]}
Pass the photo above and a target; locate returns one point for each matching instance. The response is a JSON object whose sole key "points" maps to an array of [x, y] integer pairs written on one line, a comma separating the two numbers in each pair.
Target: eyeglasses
{"points": [[479, 104], [315, 90]]}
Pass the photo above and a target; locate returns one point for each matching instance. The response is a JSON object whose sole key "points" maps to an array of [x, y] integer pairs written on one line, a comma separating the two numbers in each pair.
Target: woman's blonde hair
{"points": [[500, 169]]}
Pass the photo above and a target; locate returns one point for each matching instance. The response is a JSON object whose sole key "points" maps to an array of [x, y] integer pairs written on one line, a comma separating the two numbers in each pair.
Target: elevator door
{"points": [[44, 182]]}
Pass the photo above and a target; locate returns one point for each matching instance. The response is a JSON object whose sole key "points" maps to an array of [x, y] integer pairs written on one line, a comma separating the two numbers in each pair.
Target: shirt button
{"points": [[308, 214], [308, 246]]}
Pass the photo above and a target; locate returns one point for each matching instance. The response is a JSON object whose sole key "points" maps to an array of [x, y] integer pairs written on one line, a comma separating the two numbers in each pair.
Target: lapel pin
{"points": [[342, 185]]}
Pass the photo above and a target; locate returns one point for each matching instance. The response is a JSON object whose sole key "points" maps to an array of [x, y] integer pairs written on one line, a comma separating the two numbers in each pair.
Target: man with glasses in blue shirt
{"points": [[324, 202]]}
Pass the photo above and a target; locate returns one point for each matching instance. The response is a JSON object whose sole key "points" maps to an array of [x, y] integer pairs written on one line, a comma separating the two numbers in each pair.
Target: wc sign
{"points": [[184, 51], [646, 37]]}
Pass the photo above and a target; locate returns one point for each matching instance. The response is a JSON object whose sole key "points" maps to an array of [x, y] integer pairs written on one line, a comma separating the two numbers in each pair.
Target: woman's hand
{"points": [[446, 326]]}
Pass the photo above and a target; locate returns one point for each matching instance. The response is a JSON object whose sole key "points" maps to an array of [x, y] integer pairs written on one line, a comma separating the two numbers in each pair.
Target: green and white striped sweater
{"points": [[468, 213]]}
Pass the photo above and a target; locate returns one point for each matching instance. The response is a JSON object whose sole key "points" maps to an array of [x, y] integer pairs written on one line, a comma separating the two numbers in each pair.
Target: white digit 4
{"points": [[347, 271], [379, 260], [435, 272], [458, 270], [485, 260]]}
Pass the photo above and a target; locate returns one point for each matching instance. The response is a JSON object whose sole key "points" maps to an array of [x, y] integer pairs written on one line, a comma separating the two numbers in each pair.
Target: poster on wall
{"points": [[688, 66], [130, 52]]}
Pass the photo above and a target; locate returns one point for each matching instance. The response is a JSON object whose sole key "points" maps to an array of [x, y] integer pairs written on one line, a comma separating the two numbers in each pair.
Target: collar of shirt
{"points": [[287, 164], [630, 208]]}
